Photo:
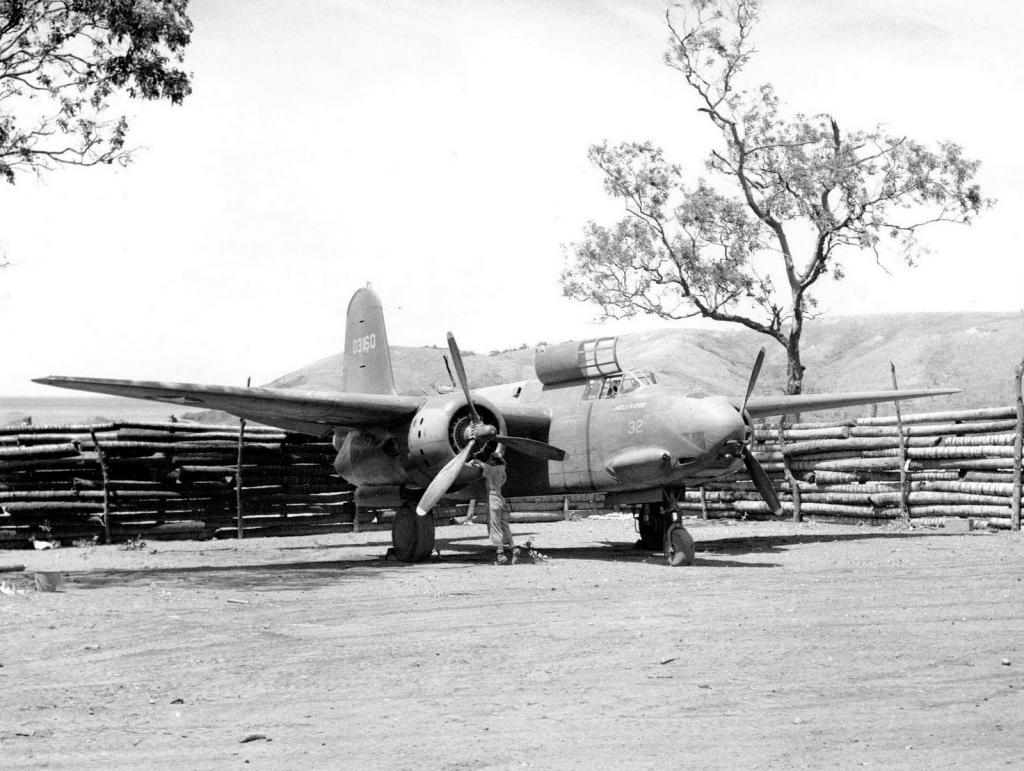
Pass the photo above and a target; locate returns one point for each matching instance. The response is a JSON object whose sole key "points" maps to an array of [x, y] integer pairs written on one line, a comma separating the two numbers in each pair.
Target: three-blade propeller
{"points": [[754, 468], [480, 433]]}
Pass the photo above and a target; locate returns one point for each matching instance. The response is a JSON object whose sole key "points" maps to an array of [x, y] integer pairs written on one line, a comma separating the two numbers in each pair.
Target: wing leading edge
{"points": [[310, 412], [763, 406]]}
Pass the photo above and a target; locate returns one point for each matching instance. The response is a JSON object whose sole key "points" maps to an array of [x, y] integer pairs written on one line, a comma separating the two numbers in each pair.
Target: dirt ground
{"points": [[784, 646]]}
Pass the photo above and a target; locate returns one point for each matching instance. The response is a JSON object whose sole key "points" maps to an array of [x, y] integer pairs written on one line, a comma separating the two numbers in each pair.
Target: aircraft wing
{"points": [[309, 412], [762, 406]]}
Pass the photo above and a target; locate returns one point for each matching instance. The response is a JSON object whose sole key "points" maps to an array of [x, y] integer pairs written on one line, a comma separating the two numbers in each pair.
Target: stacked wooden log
{"points": [[958, 464], [523, 509], [556, 505], [164, 479]]}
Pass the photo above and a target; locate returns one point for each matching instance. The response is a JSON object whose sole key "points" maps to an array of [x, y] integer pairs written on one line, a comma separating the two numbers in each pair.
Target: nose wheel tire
{"points": [[679, 547], [412, 536]]}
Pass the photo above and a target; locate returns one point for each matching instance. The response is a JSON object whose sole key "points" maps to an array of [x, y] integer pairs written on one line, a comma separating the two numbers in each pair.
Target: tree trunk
{"points": [[794, 368]]}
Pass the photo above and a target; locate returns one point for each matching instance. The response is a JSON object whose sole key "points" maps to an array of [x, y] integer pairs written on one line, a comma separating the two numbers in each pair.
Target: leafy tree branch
{"points": [[63, 62], [709, 247]]}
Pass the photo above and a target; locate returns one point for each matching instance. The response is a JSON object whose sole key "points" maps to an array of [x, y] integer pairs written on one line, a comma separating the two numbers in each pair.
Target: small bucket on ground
{"points": [[47, 582]]}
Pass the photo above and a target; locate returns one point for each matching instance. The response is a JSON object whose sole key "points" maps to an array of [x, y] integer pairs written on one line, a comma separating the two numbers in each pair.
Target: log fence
{"points": [[963, 464], [120, 480]]}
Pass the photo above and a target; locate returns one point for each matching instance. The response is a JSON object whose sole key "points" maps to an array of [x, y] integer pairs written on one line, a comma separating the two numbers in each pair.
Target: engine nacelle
{"points": [[368, 458], [441, 429], [413, 457]]}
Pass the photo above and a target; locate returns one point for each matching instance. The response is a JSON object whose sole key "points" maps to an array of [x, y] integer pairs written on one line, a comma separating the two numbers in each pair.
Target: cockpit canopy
{"points": [[595, 361], [619, 384], [575, 361]]}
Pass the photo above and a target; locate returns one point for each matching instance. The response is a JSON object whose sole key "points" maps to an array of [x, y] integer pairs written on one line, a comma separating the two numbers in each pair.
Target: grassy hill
{"points": [[971, 351], [975, 352]]}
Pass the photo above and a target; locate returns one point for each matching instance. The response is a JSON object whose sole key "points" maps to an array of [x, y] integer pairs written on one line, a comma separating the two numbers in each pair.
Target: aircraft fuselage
{"points": [[616, 441]]}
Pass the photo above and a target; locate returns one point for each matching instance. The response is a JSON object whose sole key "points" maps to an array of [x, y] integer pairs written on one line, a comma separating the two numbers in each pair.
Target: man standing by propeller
{"points": [[497, 507], [477, 435]]}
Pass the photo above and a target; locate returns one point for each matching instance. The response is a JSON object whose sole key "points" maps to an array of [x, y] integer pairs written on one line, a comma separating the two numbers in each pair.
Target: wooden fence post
{"points": [[106, 484], [1018, 442], [904, 473], [794, 486], [238, 479], [238, 472]]}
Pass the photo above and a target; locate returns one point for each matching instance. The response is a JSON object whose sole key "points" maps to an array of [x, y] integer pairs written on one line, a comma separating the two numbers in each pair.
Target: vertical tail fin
{"points": [[366, 367]]}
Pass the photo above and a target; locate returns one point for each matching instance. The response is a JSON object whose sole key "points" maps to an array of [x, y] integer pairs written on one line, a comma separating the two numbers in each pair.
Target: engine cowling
{"points": [[441, 429]]}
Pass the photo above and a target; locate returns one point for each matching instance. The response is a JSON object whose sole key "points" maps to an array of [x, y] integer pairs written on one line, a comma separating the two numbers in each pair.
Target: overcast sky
{"points": [[438, 151]]}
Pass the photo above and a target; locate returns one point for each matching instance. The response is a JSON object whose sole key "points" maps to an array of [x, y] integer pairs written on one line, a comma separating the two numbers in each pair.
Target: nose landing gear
{"points": [[652, 521], [679, 546]]}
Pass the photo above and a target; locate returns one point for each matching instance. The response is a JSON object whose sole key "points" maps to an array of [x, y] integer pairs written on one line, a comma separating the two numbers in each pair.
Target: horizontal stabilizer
{"points": [[763, 406], [310, 412]]}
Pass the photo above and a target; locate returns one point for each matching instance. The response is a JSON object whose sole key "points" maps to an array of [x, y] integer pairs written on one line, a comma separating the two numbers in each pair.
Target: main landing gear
{"points": [[412, 536], [660, 528]]}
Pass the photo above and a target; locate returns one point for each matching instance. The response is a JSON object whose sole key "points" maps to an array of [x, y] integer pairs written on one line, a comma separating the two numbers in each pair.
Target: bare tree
{"points": [[62, 62], [789, 196]]}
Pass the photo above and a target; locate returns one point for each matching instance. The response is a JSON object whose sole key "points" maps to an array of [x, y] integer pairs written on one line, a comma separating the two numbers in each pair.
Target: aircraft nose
{"points": [[711, 427], [725, 425]]}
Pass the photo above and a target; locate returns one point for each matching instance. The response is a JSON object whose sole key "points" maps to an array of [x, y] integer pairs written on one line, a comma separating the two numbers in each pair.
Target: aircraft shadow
{"points": [[384, 543], [270, 576], [312, 574], [779, 543], [463, 551]]}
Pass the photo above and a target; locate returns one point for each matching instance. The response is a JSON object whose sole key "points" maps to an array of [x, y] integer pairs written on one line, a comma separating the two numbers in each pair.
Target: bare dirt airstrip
{"points": [[785, 645]]}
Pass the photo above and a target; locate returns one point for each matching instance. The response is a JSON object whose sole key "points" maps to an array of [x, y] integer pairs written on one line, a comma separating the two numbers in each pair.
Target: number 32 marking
{"points": [[635, 426]]}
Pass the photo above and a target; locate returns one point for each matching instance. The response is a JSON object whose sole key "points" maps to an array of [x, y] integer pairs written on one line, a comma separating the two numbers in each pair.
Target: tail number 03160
{"points": [[364, 344]]}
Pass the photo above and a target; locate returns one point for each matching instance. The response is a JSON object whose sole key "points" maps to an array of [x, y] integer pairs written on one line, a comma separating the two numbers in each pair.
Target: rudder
{"points": [[366, 366]]}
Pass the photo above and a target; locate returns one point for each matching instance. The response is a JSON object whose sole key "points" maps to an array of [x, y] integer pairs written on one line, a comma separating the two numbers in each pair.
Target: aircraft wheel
{"points": [[412, 536], [651, 522], [679, 546]]}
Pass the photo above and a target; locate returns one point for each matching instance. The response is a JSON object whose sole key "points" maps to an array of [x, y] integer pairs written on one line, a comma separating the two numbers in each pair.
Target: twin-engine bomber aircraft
{"points": [[584, 425]]}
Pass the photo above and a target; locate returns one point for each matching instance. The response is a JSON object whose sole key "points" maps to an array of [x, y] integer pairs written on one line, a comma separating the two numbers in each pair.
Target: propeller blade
{"points": [[460, 370], [445, 479], [761, 481], [753, 378], [448, 367], [756, 470], [532, 447]]}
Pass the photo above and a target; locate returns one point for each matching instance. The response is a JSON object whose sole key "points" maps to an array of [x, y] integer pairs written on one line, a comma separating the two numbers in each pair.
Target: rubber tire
{"points": [[679, 546], [651, 523], [412, 536]]}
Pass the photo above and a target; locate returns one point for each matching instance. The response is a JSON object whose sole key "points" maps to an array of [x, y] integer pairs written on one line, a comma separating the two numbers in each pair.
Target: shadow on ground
{"points": [[455, 552], [778, 543], [312, 574]]}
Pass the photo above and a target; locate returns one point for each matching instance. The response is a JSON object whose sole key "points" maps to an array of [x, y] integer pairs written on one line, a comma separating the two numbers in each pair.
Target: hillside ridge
{"points": [[975, 352]]}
